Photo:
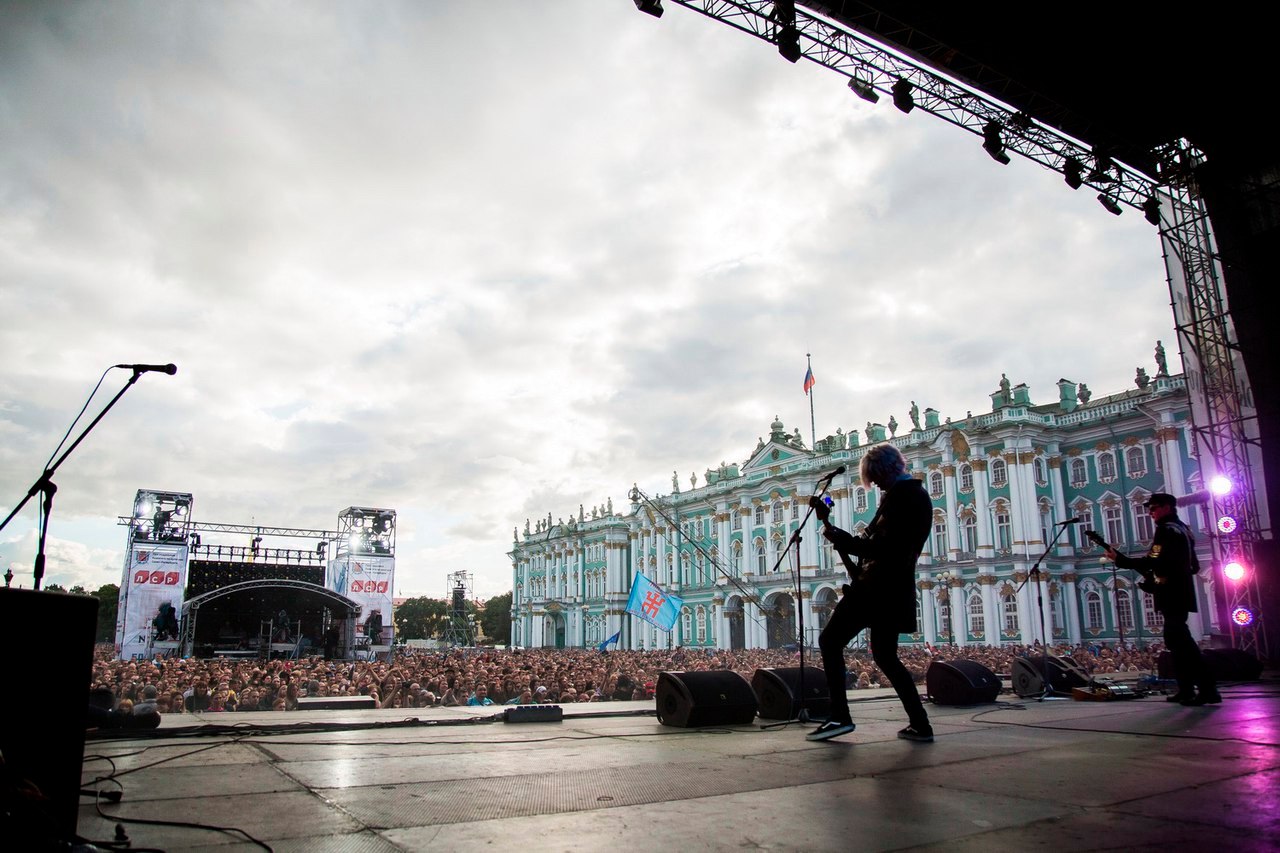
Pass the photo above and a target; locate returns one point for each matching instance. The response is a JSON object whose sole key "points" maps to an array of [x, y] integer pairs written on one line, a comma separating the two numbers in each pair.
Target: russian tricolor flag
{"points": [[809, 381]]}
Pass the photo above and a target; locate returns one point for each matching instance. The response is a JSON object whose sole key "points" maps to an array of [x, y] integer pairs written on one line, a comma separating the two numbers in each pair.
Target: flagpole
{"points": [[813, 430]]}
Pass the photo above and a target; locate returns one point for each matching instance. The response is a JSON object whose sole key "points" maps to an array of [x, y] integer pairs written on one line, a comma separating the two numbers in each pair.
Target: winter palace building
{"points": [[1000, 482]]}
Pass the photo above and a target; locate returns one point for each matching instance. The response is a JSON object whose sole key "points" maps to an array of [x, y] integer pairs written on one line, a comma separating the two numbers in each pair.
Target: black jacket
{"points": [[889, 551], [1169, 563]]}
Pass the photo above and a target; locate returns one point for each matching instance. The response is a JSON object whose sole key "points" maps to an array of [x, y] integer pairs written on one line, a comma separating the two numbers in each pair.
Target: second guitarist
{"points": [[1168, 567], [882, 592]]}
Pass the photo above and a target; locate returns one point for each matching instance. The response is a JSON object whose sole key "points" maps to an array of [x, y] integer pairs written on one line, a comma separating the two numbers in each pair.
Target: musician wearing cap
{"points": [[1167, 569]]}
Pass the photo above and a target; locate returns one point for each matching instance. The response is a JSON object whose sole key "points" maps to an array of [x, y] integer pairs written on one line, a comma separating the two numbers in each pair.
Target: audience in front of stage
{"points": [[428, 679]]}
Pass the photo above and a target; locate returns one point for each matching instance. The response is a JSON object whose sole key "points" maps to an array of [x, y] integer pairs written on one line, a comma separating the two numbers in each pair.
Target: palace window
{"points": [[966, 477], [969, 526], [795, 509], [1085, 513], [686, 624], [777, 512], [935, 484], [759, 517], [1079, 473], [1106, 467], [1124, 609], [737, 520], [940, 537], [1113, 519], [860, 499], [1153, 618], [1093, 610], [999, 473], [1004, 530], [762, 557], [702, 624], [977, 624], [1009, 607], [1135, 462], [1143, 528], [1037, 467]]}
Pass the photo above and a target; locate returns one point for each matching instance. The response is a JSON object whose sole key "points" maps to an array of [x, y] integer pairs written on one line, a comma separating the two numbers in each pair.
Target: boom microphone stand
{"points": [[802, 713], [45, 487], [1046, 688]]}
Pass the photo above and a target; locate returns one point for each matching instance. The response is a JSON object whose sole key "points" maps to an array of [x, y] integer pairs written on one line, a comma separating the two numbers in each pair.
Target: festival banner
{"points": [[154, 574], [369, 581]]}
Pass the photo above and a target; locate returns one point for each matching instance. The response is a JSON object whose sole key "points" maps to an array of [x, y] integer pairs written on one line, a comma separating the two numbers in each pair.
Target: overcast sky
{"points": [[479, 262]]}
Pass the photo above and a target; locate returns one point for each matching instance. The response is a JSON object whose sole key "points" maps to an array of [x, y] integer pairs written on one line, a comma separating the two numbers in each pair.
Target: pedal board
{"points": [[533, 714]]}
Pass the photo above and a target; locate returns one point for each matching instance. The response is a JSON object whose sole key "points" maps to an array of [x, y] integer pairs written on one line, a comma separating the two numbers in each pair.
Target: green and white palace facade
{"points": [[1000, 483]]}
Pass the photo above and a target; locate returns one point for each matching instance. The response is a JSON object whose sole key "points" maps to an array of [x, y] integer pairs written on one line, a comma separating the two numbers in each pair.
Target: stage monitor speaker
{"points": [[960, 682], [696, 699], [1232, 664], [778, 692], [1064, 674], [335, 703], [50, 640]]}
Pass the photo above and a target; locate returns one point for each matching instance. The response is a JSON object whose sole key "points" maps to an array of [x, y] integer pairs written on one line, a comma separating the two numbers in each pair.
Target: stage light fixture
{"points": [[1109, 204], [1102, 165], [650, 7], [1151, 210], [1021, 121], [902, 97], [993, 144], [1226, 524], [1242, 616], [864, 90], [1073, 173], [1234, 571], [255, 543], [789, 44], [1220, 485]]}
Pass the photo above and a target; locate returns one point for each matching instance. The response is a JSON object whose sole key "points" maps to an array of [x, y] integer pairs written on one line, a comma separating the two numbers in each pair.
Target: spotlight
{"points": [[993, 144], [650, 7], [1234, 571], [320, 548], [1109, 204], [1102, 165], [1151, 210], [902, 98], [254, 543], [1073, 173], [1220, 485], [789, 44], [863, 90], [1242, 616], [1021, 121], [1226, 524]]}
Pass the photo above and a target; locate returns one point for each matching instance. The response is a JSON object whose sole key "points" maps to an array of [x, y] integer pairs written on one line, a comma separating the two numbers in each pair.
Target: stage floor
{"points": [[1137, 774]]}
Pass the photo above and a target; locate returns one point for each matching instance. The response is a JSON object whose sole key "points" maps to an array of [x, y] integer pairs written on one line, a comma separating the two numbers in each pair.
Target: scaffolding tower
{"points": [[459, 630]]}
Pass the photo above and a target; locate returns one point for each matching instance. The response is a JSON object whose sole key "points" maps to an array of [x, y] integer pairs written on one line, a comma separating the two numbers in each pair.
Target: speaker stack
{"points": [[778, 692], [1064, 674], [697, 699], [960, 682]]}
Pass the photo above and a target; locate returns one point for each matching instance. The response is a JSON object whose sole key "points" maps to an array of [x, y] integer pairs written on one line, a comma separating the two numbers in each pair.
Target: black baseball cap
{"points": [[1161, 499]]}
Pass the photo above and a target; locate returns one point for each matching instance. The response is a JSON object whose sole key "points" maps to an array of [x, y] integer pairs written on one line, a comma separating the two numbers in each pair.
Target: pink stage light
{"points": [[1234, 571], [1220, 485], [1226, 524], [1242, 616]]}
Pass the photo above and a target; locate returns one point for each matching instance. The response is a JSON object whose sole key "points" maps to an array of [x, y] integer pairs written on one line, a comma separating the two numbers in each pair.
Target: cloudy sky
{"points": [[480, 262]]}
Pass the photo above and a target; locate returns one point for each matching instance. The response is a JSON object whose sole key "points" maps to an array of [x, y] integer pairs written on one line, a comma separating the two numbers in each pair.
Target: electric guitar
{"points": [[853, 565], [1150, 583]]}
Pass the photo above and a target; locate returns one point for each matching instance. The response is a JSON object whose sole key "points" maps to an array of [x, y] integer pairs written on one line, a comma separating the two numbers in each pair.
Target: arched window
{"points": [[860, 499], [737, 567], [1112, 518], [1079, 473], [1143, 529], [795, 509], [1135, 462], [970, 527], [1093, 610], [1004, 529], [1124, 609], [1037, 468], [759, 517], [1009, 608], [939, 536], [762, 557], [1085, 513], [686, 624], [702, 624], [737, 519], [966, 477], [775, 549], [999, 473], [1153, 618], [777, 512], [977, 625], [935, 484], [1106, 467]]}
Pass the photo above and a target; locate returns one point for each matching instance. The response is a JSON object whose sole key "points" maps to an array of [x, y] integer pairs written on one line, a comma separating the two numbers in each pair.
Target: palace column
{"points": [[1071, 606], [981, 506], [1026, 612], [990, 608], [928, 613], [953, 520]]}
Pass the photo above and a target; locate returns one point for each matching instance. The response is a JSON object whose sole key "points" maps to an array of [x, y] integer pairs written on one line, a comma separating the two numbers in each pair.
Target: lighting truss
{"points": [[1225, 428], [458, 630]]}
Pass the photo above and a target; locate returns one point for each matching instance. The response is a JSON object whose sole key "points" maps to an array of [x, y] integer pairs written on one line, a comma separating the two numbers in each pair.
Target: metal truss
{"points": [[458, 630], [211, 527], [1225, 427]]}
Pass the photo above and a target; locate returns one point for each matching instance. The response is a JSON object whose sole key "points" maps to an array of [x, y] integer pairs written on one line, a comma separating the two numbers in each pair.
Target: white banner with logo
{"points": [[154, 574], [369, 581]]}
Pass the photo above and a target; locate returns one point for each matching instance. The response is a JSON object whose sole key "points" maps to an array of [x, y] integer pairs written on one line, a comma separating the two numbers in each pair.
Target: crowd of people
{"points": [[427, 679]]}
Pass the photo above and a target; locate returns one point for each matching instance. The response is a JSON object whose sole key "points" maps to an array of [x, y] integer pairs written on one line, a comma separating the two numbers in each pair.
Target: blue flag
{"points": [[651, 604], [612, 639]]}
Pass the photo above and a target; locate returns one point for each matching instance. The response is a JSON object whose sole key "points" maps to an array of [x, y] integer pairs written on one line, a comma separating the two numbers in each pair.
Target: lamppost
{"points": [[944, 580]]}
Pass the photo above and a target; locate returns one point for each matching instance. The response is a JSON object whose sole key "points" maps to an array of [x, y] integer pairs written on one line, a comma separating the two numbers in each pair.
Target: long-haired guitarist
{"points": [[1167, 569], [881, 594]]}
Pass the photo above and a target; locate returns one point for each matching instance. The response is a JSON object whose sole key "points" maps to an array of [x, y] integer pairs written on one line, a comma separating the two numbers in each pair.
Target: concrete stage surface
{"points": [[1138, 774]]}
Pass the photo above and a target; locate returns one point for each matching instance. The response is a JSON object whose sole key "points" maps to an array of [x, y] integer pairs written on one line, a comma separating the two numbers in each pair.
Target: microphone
{"points": [[833, 475], [1075, 520], [151, 368]]}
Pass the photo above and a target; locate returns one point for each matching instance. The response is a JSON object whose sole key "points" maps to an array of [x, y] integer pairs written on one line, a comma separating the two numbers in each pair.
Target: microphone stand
{"points": [[45, 487], [1046, 688], [802, 712]]}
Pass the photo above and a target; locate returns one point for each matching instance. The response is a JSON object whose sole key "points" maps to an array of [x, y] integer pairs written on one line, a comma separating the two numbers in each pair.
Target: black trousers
{"points": [[851, 615], [1188, 665]]}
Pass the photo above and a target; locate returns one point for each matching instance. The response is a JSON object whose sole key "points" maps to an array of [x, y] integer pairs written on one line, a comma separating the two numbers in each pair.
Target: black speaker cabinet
{"points": [[1064, 674], [778, 692], [697, 699], [960, 682], [1232, 664], [49, 636]]}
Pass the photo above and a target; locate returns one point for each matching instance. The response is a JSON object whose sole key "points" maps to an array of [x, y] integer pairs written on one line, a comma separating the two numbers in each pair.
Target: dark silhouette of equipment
{"points": [[697, 699], [777, 690], [960, 682], [1064, 674]]}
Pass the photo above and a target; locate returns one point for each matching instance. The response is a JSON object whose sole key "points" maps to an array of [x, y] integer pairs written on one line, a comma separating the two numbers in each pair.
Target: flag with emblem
{"points": [[652, 604]]}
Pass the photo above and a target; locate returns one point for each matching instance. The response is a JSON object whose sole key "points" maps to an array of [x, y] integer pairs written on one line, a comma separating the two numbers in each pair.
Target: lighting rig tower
{"points": [[459, 631], [1224, 419], [155, 566]]}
